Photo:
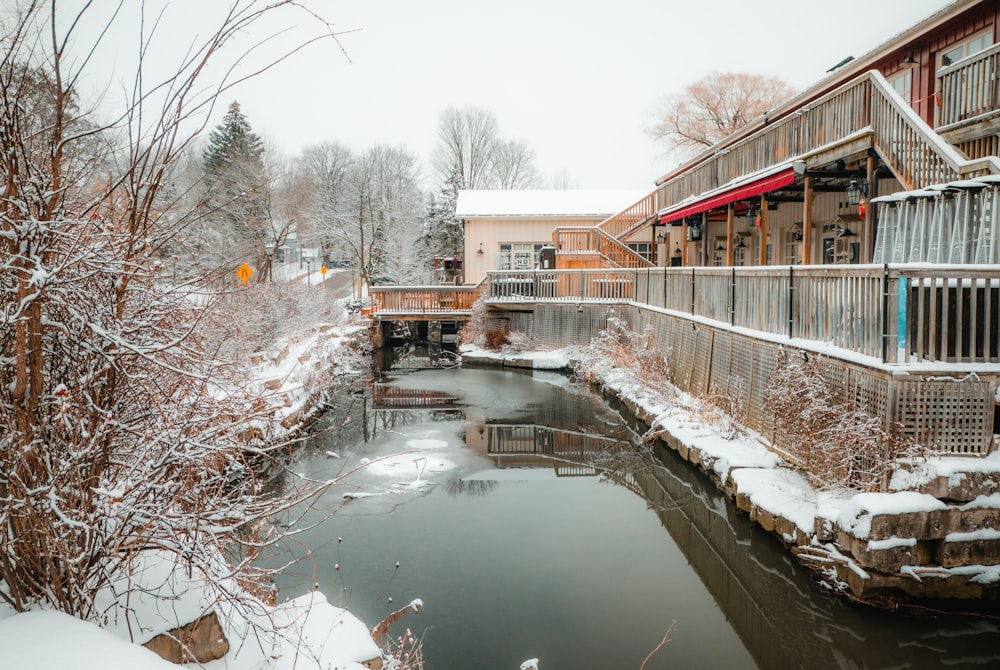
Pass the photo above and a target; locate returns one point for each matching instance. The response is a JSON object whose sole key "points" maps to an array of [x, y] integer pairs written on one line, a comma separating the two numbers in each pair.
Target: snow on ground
{"points": [[304, 633]]}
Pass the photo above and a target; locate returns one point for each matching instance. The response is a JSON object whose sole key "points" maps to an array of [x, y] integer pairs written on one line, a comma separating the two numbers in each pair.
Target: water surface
{"points": [[514, 517]]}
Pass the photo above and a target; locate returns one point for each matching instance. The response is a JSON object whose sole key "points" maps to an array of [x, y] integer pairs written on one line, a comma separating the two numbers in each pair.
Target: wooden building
{"points": [[916, 118], [506, 230]]}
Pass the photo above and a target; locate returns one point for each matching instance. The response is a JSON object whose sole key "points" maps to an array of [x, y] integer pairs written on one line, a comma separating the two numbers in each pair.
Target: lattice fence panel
{"points": [[741, 363], [522, 322], [498, 323], [701, 361], [946, 415], [753, 395], [687, 341], [718, 380]]}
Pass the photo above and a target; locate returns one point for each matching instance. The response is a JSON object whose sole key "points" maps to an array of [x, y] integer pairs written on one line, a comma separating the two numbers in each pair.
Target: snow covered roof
{"points": [[545, 202]]}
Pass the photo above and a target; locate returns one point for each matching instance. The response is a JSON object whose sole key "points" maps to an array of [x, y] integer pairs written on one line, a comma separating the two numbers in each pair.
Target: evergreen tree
{"points": [[443, 230], [233, 143], [237, 192]]}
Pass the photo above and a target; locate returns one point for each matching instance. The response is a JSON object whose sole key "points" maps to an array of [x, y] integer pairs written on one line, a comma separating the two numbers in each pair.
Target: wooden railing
{"points": [[866, 105], [568, 285], [625, 223], [969, 88], [416, 300], [895, 314], [595, 240]]}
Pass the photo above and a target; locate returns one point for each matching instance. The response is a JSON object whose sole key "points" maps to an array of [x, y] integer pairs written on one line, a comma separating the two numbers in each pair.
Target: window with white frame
{"points": [[792, 243], [981, 40], [902, 83], [518, 256]]}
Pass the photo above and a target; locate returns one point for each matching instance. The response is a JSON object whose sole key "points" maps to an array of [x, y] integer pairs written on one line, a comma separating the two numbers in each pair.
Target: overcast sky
{"points": [[577, 80]]}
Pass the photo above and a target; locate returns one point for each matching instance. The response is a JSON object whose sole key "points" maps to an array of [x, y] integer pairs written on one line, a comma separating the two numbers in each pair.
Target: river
{"points": [[517, 508]]}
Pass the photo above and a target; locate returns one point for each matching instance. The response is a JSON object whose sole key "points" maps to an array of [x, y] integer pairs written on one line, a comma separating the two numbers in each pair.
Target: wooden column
{"points": [[868, 237], [807, 223], [730, 242], [684, 239], [704, 239], [763, 230]]}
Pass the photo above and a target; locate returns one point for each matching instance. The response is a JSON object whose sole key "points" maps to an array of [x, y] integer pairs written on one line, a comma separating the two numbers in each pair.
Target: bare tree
{"points": [[714, 107], [513, 166], [119, 431], [325, 168], [368, 207], [466, 138], [469, 144]]}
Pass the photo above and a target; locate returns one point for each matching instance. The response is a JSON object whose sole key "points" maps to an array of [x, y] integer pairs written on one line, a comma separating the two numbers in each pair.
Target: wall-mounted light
{"points": [[856, 191], [694, 231], [480, 250], [677, 250], [845, 232], [909, 61]]}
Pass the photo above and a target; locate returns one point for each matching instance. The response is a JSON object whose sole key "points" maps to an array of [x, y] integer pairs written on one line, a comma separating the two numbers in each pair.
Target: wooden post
{"points": [[729, 236], [763, 230], [807, 223], [868, 237], [684, 239]]}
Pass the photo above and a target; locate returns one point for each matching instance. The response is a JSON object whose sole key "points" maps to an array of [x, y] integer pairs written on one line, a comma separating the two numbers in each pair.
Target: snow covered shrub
{"points": [[494, 339], [474, 330], [619, 352], [483, 332], [121, 429], [255, 318], [726, 411], [837, 443]]}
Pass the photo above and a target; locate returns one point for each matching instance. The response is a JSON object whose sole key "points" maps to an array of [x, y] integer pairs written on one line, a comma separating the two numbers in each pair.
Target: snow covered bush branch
{"points": [[121, 430], [835, 441]]}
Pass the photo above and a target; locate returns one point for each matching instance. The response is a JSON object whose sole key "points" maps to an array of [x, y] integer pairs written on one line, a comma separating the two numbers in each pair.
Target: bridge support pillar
{"points": [[380, 333], [434, 340]]}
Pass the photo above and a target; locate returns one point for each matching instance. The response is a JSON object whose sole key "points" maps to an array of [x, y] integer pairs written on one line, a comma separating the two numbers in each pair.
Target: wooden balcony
{"points": [[893, 314], [969, 90], [863, 113]]}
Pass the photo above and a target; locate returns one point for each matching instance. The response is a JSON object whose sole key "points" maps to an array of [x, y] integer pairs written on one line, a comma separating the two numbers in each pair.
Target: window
{"points": [[975, 44], [644, 249], [518, 256], [903, 84], [792, 243]]}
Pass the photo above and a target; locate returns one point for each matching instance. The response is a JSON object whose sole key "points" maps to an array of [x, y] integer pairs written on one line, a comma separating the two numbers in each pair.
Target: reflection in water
{"points": [[463, 544], [474, 488]]}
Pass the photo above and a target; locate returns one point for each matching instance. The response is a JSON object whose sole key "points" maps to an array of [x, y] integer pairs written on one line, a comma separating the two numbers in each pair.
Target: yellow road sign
{"points": [[323, 270], [244, 272]]}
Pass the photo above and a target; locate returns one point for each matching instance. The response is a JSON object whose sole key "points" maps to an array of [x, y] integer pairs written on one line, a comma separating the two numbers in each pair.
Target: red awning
{"points": [[756, 188]]}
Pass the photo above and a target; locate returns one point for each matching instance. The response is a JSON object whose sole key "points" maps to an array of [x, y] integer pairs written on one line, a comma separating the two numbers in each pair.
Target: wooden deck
{"points": [[899, 315]]}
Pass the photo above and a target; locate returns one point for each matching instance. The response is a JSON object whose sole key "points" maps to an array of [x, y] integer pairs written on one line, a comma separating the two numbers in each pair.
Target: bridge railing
{"points": [[616, 285], [423, 299]]}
